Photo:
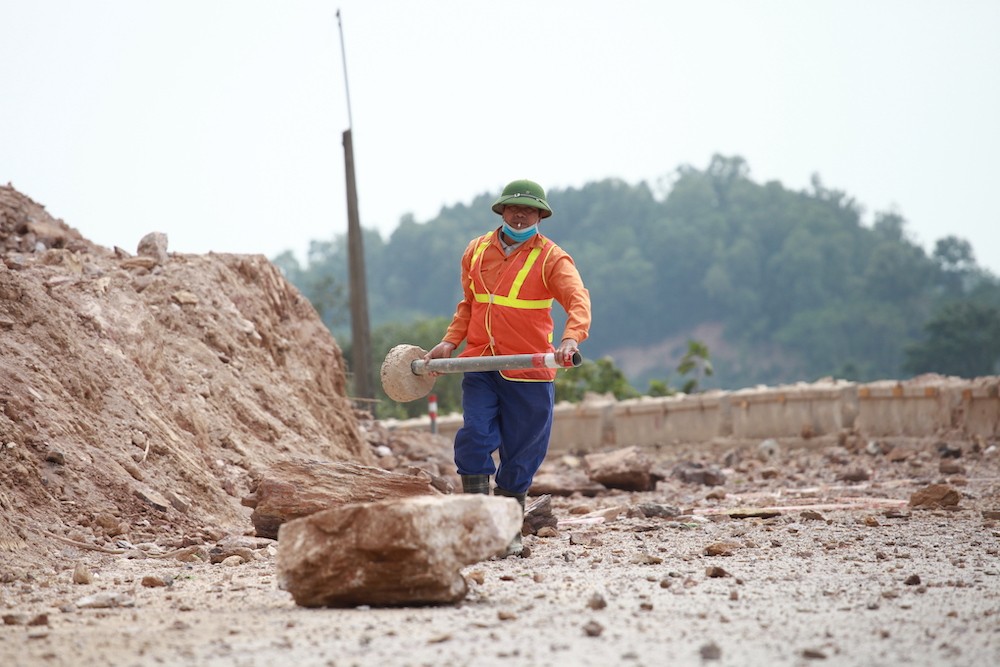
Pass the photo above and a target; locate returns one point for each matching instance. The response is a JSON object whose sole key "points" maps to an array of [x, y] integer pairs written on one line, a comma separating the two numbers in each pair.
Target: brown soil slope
{"points": [[141, 397]]}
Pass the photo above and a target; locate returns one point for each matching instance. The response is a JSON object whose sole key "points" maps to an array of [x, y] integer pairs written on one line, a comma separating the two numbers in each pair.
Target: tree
{"points": [[696, 360], [600, 377], [954, 254], [963, 339]]}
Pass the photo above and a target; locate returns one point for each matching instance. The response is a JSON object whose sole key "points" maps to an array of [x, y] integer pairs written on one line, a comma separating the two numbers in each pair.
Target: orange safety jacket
{"points": [[514, 314]]}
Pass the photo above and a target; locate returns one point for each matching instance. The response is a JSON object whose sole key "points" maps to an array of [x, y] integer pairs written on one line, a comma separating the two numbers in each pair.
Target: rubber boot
{"points": [[476, 484], [515, 548]]}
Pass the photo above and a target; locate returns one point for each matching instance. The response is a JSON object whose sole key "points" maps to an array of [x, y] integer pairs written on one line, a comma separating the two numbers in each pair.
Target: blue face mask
{"points": [[522, 235]]}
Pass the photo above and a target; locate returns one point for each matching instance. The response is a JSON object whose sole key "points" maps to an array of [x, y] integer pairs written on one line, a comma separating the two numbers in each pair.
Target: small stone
{"points": [[232, 561], [156, 500], [597, 601], [505, 615], [55, 456], [813, 654], [752, 513], [876, 448], [657, 510], [185, 298], [935, 496], [697, 473], [768, 449], [585, 539], [132, 469], [593, 629], [710, 651], [105, 601], [179, 501], [950, 467], [154, 581], [644, 558], [721, 548], [912, 580], [854, 475], [82, 575], [716, 572], [946, 451], [40, 619], [899, 454]]}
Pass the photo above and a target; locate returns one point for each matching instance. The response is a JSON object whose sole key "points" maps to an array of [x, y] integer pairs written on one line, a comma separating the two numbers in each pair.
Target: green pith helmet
{"points": [[523, 193]]}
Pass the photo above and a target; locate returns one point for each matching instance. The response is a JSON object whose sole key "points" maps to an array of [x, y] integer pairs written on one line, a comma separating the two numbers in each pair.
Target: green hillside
{"points": [[781, 285]]}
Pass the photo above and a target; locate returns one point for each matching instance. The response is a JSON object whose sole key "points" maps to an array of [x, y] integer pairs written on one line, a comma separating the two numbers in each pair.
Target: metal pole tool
{"points": [[407, 377]]}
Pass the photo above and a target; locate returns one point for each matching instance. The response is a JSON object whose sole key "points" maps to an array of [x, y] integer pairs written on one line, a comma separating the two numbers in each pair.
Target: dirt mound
{"points": [[140, 396]]}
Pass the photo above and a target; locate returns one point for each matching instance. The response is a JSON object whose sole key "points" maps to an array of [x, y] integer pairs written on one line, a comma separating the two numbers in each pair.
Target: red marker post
{"points": [[432, 410]]}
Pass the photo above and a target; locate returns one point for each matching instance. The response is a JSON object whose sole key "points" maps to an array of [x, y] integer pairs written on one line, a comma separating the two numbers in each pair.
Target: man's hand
{"points": [[442, 350], [565, 352]]}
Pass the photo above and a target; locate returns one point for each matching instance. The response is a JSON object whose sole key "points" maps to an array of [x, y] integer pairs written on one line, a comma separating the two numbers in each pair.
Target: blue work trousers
{"points": [[512, 417]]}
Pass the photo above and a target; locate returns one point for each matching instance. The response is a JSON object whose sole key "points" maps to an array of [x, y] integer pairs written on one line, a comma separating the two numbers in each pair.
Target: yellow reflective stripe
{"points": [[519, 279], [511, 299], [513, 303], [479, 250], [472, 262]]}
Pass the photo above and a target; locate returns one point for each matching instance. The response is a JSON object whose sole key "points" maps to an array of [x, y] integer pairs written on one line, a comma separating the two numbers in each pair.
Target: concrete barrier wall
{"points": [[894, 409], [793, 411], [925, 406], [983, 416], [671, 419]]}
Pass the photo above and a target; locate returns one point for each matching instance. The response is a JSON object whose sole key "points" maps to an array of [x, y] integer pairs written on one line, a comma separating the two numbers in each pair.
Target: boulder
{"points": [[565, 483], [392, 552], [297, 488], [935, 496], [629, 469], [154, 245]]}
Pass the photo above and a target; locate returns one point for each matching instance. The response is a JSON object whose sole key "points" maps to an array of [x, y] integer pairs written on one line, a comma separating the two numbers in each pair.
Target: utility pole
{"points": [[360, 331]]}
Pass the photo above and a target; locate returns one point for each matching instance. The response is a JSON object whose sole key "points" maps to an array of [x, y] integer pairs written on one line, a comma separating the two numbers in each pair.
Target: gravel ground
{"points": [[845, 587]]}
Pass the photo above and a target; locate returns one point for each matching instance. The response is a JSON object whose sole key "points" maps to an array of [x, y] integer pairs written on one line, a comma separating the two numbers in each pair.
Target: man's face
{"points": [[520, 217]]}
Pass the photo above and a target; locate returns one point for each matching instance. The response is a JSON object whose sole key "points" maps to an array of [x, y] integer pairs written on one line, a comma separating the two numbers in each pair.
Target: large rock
{"points": [[628, 469], [392, 552], [935, 496], [154, 245], [295, 488], [565, 483]]}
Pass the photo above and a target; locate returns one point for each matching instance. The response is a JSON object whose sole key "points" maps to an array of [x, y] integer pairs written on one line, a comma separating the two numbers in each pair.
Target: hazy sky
{"points": [[220, 122]]}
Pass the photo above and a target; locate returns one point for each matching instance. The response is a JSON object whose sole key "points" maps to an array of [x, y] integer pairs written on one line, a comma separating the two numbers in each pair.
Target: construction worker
{"points": [[510, 278]]}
